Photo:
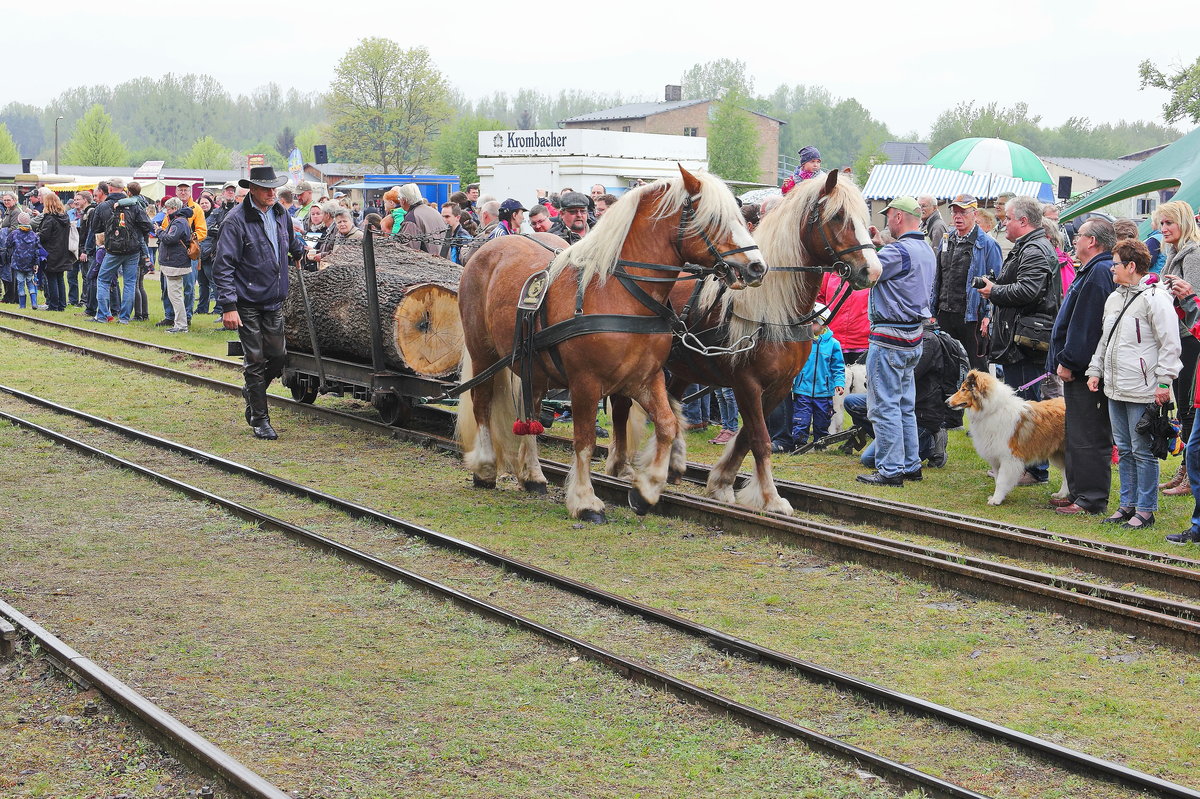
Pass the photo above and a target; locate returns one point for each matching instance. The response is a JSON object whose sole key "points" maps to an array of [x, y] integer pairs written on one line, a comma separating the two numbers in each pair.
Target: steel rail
{"points": [[162, 725], [1172, 623], [718, 639], [754, 718]]}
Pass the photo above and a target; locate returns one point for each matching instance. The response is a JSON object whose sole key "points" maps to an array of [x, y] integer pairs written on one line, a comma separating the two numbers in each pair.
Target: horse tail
{"points": [[466, 430]]}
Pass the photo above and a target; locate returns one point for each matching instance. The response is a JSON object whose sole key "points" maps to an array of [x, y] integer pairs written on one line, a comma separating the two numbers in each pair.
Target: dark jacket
{"points": [[563, 232], [985, 262], [172, 242], [55, 233], [930, 404], [1028, 283], [208, 247], [247, 270], [1080, 319], [422, 220], [23, 247]]}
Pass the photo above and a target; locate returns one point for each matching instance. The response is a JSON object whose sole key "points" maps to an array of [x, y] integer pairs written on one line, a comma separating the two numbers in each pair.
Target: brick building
{"points": [[677, 117]]}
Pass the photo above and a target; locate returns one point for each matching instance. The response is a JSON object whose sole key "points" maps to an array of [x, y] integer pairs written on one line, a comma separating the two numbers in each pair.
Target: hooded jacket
{"points": [[55, 235], [1143, 349]]}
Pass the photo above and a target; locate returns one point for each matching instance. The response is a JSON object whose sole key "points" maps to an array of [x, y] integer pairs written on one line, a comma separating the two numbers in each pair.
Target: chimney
{"points": [[674, 93]]}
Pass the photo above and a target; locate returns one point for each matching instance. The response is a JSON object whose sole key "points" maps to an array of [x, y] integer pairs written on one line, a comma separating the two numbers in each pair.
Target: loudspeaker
{"points": [[26, 163], [1064, 187], [321, 153]]}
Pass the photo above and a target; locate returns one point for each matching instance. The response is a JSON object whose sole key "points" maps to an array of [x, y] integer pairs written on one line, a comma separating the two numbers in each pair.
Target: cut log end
{"points": [[428, 330]]}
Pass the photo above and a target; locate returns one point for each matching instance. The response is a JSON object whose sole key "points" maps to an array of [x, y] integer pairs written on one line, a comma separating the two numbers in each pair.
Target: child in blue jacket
{"points": [[25, 252], [823, 375]]}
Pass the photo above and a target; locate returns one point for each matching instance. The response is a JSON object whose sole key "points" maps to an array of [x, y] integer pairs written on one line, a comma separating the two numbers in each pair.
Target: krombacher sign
{"points": [[528, 142]]}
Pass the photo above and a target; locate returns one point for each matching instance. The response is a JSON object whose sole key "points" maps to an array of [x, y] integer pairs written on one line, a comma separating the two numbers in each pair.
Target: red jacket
{"points": [[850, 325]]}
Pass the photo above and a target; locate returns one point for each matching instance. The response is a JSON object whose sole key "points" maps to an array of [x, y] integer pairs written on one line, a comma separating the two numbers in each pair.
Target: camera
{"points": [[978, 282]]}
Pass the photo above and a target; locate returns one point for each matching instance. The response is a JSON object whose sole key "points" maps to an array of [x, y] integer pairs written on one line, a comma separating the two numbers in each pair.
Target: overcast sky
{"points": [[904, 62]]}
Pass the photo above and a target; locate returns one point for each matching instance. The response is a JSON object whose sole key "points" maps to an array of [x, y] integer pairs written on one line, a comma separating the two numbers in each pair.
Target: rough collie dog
{"points": [[1009, 432]]}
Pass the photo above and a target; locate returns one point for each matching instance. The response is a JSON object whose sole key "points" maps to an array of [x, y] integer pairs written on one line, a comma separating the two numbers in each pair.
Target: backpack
{"points": [[121, 235], [955, 365]]}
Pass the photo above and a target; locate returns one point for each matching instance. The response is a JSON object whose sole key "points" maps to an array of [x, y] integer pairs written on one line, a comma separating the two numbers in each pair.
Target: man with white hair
{"points": [[933, 227], [420, 219]]}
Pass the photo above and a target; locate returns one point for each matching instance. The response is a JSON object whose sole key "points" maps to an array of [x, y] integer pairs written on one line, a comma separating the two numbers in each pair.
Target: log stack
{"points": [[418, 310]]}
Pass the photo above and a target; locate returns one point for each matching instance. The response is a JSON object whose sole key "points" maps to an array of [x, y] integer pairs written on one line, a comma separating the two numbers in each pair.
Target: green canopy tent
{"points": [[1176, 166]]}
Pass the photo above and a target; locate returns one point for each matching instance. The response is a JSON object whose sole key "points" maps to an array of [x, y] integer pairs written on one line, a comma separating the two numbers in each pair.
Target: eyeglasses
{"points": [[1081, 234]]}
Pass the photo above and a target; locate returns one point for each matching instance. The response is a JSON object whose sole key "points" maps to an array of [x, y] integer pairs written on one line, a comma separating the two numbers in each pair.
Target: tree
{"points": [[207, 153], [310, 136], [8, 147], [286, 140], [387, 104], [273, 156], [870, 156], [93, 143], [733, 147], [457, 147], [966, 120], [139, 157], [714, 79], [1184, 86], [25, 125]]}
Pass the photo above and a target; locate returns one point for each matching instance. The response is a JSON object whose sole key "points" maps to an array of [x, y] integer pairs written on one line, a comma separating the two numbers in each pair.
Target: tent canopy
{"points": [[1177, 165], [891, 180]]}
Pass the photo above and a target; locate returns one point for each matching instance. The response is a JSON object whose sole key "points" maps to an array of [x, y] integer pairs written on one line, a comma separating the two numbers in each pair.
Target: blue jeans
{"points": [[925, 443], [810, 413], [1192, 456], [891, 407], [28, 281], [727, 406], [73, 281], [127, 266], [189, 291], [696, 411], [1138, 467]]}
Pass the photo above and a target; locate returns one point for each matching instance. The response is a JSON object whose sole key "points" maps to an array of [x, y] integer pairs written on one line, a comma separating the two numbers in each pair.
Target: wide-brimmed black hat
{"points": [[263, 176]]}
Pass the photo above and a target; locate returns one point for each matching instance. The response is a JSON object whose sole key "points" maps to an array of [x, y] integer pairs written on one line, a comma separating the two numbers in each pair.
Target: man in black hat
{"points": [[572, 224], [250, 273]]}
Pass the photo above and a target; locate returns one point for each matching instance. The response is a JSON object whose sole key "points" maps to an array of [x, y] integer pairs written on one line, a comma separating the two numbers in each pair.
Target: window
{"points": [[625, 129], [1145, 206], [603, 128], [691, 132]]}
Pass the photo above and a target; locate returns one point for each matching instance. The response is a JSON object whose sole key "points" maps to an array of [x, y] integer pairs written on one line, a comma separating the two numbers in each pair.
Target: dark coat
{"points": [[1080, 321], [55, 234], [1028, 283], [172, 242], [247, 270]]}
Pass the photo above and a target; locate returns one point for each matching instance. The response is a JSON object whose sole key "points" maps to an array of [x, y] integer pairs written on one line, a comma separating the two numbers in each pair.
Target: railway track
{"points": [[1171, 620], [748, 650], [160, 725]]}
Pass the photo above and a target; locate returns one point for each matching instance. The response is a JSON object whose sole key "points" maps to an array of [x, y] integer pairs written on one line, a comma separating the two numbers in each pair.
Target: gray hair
{"points": [[172, 204], [491, 208], [341, 211], [330, 208], [1104, 231], [12, 194], [1027, 207], [411, 193], [116, 184], [1052, 232]]}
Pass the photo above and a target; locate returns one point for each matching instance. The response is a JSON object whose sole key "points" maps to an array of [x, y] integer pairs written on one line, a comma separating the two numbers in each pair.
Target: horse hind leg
{"points": [[624, 438], [677, 467], [473, 429]]}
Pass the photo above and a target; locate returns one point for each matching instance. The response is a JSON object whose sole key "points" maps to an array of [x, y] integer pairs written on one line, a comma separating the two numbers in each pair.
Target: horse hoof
{"points": [[481, 483], [534, 487], [593, 516], [674, 477], [639, 504]]}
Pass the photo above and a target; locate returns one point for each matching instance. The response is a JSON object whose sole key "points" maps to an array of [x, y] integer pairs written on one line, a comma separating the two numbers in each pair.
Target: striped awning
{"points": [[892, 180]]}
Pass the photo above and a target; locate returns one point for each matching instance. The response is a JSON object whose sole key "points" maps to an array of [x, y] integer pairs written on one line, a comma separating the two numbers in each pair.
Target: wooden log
{"points": [[418, 310]]}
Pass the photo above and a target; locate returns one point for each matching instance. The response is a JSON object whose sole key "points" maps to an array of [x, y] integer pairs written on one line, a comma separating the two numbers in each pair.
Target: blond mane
{"points": [[775, 304], [596, 255]]}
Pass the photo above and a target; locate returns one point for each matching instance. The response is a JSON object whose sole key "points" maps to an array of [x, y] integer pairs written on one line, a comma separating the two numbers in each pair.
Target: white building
{"points": [[516, 163]]}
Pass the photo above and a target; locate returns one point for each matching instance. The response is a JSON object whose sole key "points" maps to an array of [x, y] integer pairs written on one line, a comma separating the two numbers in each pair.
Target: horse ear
{"points": [[690, 181], [830, 181]]}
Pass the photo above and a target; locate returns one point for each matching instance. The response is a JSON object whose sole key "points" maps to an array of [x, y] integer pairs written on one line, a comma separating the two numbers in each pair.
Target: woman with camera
{"points": [[1137, 357]]}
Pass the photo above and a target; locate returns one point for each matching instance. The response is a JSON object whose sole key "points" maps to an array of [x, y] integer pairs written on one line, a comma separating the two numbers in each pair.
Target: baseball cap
{"points": [[229, 184], [512, 205], [573, 199], [337, 194], [303, 186], [906, 204], [965, 201]]}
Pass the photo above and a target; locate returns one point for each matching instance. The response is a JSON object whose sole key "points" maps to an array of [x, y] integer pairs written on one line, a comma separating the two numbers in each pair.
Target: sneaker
{"points": [[165, 323], [723, 437], [177, 330], [1186, 537], [877, 479], [914, 475], [43, 307], [122, 321]]}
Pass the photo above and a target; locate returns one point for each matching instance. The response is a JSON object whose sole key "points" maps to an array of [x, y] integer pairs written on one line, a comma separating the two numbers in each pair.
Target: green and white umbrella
{"points": [[995, 156]]}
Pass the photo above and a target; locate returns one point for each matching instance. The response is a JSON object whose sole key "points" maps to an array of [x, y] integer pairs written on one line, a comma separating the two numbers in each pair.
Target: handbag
{"points": [[1033, 331], [193, 248], [1157, 425]]}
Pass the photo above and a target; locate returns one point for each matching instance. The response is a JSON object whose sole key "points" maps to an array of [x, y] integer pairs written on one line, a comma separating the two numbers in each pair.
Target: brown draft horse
{"points": [[641, 246], [820, 226]]}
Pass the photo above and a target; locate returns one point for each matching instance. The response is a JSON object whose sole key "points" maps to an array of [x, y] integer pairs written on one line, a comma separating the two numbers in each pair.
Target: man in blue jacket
{"points": [[250, 273], [897, 309], [1076, 333]]}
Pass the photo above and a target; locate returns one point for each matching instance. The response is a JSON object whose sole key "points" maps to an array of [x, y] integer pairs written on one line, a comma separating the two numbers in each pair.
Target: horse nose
{"points": [[754, 272]]}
